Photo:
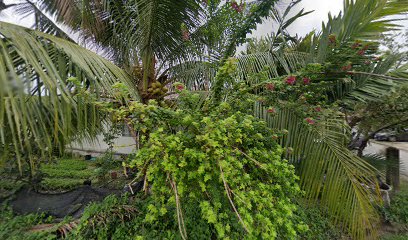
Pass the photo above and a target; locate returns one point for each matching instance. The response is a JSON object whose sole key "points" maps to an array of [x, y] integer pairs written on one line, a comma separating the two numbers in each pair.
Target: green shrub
{"points": [[319, 225], [16, 227], [215, 174], [398, 210], [395, 237]]}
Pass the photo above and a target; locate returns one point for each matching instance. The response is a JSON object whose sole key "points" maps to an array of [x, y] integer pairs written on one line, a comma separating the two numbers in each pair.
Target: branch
{"points": [[230, 200], [181, 225]]}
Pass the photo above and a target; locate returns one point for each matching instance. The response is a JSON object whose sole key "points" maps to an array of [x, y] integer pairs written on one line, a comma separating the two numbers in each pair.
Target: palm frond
{"points": [[360, 20], [42, 22], [38, 103], [331, 175], [278, 63]]}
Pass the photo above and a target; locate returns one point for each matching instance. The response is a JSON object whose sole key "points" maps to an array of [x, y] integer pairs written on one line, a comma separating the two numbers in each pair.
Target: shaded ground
{"points": [[58, 205]]}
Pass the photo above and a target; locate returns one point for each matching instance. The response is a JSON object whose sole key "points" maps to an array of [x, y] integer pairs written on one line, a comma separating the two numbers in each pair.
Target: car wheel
{"points": [[392, 139]]}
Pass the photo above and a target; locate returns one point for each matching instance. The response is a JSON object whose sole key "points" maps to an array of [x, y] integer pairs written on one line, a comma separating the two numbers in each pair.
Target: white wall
{"points": [[122, 145]]}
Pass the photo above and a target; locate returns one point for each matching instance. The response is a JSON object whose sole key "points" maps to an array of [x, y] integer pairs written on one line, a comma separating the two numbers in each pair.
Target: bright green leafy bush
{"points": [[216, 173]]}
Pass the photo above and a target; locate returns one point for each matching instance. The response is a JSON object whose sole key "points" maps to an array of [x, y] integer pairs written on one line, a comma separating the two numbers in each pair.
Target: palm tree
{"points": [[154, 41]]}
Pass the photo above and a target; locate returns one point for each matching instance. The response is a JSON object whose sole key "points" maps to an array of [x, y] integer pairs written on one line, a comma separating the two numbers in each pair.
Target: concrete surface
{"points": [[379, 147]]}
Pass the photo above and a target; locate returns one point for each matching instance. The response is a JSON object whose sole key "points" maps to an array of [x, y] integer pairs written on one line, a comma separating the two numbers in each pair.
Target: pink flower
{"points": [[367, 62], [270, 86], [271, 110], [291, 80], [306, 81], [236, 7], [310, 121], [180, 87], [318, 109], [346, 68]]}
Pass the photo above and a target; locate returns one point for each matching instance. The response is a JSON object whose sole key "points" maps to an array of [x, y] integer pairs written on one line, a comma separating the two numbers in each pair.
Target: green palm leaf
{"points": [[330, 174], [37, 101]]}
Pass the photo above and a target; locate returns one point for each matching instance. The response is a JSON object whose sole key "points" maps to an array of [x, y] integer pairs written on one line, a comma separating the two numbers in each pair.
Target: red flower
{"points": [[361, 52], [271, 110], [310, 121], [180, 87], [270, 86], [291, 80], [346, 68], [318, 109], [306, 81]]}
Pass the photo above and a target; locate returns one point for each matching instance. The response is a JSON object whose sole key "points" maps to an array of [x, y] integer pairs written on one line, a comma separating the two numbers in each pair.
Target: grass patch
{"points": [[66, 174], [61, 183]]}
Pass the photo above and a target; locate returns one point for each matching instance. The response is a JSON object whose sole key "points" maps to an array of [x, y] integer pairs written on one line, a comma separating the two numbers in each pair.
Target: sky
{"points": [[301, 27]]}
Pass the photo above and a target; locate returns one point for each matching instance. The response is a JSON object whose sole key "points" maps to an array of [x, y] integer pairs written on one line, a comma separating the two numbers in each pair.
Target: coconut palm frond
{"points": [[363, 20], [329, 173], [41, 76], [42, 22], [372, 85], [195, 75], [275, 63]]}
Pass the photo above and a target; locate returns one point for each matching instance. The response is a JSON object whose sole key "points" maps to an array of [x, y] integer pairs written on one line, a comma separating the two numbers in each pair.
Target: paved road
{"points": [[379, 148]]}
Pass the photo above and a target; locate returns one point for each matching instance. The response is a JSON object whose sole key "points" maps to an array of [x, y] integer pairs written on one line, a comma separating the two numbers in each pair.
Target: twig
{"points": [[250, 158], [230, 200], [180, 219]]}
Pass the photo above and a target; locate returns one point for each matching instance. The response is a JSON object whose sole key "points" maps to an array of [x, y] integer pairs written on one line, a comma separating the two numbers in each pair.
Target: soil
{"points": [[70, 203]]}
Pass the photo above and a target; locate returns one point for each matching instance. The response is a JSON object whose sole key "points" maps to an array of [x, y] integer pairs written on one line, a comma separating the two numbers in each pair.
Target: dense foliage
{"points": [[223, 161]]}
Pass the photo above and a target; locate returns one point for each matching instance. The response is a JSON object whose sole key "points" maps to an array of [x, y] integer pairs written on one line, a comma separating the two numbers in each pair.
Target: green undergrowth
{"points": [[13, 227], [396, 215], [8, 187], [319, 225], [395, 237]]}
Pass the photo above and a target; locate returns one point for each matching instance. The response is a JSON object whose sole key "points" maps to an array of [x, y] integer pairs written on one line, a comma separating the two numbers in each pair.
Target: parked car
{"points": [[392, 136]]}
